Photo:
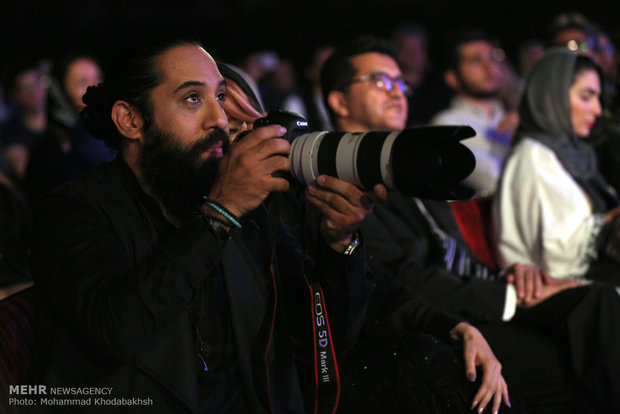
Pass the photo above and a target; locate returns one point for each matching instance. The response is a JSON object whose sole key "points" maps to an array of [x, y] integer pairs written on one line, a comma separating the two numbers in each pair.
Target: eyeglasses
{"points": [[384, 81]]}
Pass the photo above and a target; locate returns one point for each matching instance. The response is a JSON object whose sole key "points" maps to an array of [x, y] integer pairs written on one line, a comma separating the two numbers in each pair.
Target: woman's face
{"points": [[584, 102]]}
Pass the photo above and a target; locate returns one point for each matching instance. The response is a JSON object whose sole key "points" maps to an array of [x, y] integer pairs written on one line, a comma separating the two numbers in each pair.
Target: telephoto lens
{"points": [[427, 162]]}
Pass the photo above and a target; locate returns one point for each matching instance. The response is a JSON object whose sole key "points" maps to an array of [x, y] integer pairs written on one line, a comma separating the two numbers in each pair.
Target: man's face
{"points": [[478, 72], [189, 101], [31, 90], [188, 135], [370, 107]]}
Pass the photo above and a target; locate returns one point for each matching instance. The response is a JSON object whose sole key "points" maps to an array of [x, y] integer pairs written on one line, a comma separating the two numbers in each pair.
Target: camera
{"points": [[427, 162]]}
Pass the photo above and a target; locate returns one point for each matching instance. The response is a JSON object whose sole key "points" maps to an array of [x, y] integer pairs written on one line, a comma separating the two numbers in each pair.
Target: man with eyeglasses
{"points": [[546, 333], [473, 72], [364, 90]]}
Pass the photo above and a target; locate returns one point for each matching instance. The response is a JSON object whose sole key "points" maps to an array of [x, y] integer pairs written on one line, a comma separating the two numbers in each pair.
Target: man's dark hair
{"points": [[130, 80], [338, 71], [409, 29], [458, 38]]}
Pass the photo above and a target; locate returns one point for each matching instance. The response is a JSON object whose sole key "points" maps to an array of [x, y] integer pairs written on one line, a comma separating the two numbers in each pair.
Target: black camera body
{"points": [[427, 162], [294, 123]]}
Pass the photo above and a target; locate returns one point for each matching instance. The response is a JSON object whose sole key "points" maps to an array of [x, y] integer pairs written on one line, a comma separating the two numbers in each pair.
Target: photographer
{"points": [[171, 274]]}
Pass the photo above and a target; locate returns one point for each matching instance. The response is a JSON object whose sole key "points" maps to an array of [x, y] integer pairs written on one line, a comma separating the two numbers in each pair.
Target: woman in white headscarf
{"points": [[553, 208]]}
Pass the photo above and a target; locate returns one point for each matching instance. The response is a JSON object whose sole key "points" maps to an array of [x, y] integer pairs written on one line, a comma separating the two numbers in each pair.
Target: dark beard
{"points": [[179, 178], [468, 90]]}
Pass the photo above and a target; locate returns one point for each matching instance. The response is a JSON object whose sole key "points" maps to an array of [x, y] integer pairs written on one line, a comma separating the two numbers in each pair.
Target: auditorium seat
{"points": [[475, 221]]}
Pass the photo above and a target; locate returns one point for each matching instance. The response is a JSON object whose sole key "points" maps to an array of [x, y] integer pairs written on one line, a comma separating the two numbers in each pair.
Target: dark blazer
{"points": [[114, 298], [400, 237]]}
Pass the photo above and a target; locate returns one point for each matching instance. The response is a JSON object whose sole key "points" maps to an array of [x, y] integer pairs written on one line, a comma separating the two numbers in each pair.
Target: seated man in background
{"points": [[556, 345], [473, 72], [402, 361]]}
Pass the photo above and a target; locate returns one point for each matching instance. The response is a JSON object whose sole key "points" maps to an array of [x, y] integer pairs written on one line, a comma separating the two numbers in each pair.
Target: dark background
{"points": [[230, 29]]}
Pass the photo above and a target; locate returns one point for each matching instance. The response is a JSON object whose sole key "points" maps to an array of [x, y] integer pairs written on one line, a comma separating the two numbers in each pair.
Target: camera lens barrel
{"points": [[404, 161], [362, 159]]}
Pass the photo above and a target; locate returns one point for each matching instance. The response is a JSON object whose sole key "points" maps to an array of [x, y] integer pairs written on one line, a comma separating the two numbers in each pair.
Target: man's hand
{"points": [[244, 177], [534, 285], [477, 352], [343, 206], [509, 123]]}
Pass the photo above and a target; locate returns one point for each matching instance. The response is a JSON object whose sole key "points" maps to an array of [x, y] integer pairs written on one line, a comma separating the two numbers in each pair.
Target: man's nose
{"points": [[215, 117]]}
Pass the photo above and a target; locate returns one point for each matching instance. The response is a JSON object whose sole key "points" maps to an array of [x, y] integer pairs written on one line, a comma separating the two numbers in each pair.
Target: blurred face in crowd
{"points": [[412, 53], [81, 74], [188, 135], [31, 90], [478, 73], [574, 39], [369, 104], [584, 101]]}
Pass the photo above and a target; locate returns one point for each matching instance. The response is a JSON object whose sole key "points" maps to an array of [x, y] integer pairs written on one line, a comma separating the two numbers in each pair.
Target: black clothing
{"points": [[427, 99], [117, 288], [15, 222], [400, 238], [550, 335], [50, 164], [14, 132]]}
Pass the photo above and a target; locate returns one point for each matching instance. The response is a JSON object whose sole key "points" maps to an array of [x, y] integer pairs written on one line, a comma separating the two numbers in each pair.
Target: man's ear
{"points": [[451, 79], [127, 119], [338, 103]]}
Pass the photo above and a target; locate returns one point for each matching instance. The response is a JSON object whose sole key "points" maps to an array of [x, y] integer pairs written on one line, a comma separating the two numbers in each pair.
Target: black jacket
{"points": [[114, 297], [399, 237]]}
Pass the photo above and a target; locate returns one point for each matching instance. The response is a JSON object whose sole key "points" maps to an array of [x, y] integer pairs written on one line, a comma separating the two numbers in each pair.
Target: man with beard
{"points": [[176, 278], [473, 72]]}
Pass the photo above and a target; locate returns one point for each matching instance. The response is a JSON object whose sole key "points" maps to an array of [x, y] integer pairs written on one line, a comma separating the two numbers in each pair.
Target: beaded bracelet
{"points": [[223, 211], [216, 226]]}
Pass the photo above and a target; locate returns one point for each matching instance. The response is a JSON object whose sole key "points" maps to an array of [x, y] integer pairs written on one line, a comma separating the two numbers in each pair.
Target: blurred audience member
{"points": [[309, 102], [277, 85], [528, 52], [474, 73], [572, 31], [67, 149], [258, 64], [429, 93], [27, 84]]}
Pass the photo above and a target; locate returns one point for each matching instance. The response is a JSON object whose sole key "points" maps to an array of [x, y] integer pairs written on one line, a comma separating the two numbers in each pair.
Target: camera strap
{"points": [[326, 375]]}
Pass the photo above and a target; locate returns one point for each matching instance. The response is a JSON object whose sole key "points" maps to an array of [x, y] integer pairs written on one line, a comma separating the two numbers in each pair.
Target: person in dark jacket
{"points": [[403, 360], [555, 339], [175, 278]]}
